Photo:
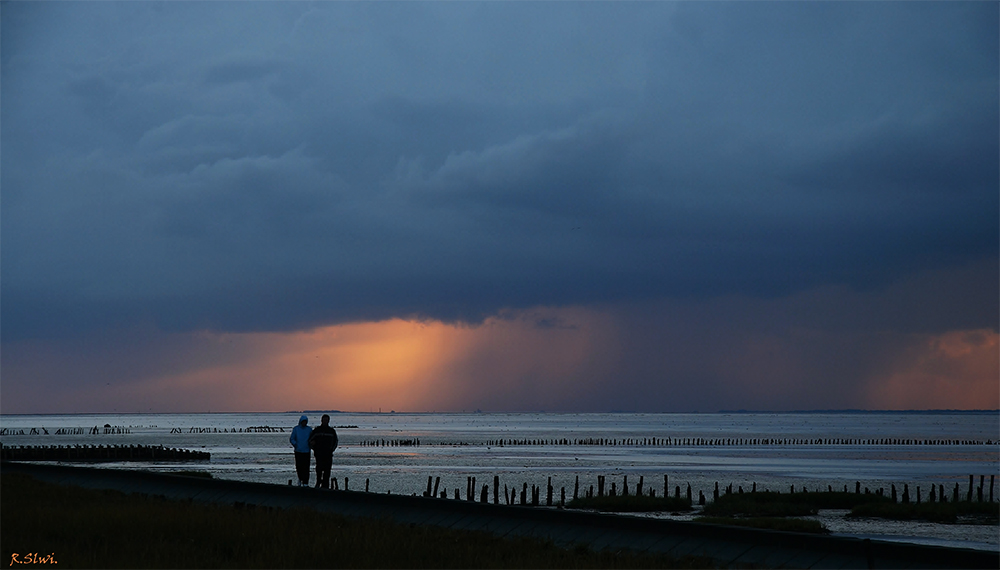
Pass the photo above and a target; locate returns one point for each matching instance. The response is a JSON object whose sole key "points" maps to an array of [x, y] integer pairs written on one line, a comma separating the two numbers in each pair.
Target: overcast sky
{"points": [[792, 205]]}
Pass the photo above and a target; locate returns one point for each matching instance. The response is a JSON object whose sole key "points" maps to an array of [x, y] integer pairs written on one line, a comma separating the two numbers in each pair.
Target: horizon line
{"points": [[479, 411]]}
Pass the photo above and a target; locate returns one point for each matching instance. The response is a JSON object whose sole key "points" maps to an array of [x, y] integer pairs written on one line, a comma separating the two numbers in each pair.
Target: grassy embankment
{"points": [[768, 504], [106, 529], [761, 516], [777, 510], [772, 504], [728, 510], [947, 513]]}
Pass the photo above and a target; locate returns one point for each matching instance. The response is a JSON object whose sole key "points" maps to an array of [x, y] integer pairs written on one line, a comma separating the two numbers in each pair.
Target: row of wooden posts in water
{"points": [[511, 495], [250, 429], [100, 453], [719, 442], [509, 442], [531, 497], [96, 430], [121, 430]]}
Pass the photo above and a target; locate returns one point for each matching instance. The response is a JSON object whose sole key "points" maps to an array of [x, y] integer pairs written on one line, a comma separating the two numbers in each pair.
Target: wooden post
{"points": [[689, 493], [524, 494], [366, 485], [562, 497], [857, 487], [496, 489], [427, 493], [473, 497], [346, 481], [969, 498], [638, 489], [625, 487], [715, 494], [614, 492], [437, 481], [918, 494], [600, 485], [701, 498], [484, 497], [982, 482], [457, 497], [576, 488], [991, 487], [548, 494]]}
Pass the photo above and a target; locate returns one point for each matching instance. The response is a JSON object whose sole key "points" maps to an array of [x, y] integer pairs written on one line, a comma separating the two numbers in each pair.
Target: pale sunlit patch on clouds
{"points": [[388, 365]]}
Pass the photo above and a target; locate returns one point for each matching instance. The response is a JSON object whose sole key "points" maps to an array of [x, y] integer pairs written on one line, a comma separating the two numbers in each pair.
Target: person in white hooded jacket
{"points": [[300, 443]]}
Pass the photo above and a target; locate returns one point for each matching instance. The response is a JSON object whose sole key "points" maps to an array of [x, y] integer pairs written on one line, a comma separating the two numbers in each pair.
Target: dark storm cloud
{"points": [[273, 166]]}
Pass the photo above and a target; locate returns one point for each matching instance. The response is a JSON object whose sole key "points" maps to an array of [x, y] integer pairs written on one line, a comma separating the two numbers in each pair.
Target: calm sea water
{"points": [[456, 446]]}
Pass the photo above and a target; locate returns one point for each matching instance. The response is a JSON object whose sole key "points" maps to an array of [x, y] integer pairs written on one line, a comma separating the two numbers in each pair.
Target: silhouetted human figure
{"points": [[323, 441], [300, 442]]}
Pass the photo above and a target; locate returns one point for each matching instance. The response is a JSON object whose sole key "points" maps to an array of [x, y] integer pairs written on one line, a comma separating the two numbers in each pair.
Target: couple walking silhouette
{"points": [[321, 441]]}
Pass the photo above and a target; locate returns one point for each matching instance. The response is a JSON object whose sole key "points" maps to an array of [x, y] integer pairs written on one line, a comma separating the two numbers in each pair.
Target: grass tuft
{"points": [[630, 504], [770, 523], [947, 513], [202, 474], [771, 504]]}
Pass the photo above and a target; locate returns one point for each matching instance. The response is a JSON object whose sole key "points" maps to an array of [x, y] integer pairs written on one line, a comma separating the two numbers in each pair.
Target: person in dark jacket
{"points": [[323, 441]]}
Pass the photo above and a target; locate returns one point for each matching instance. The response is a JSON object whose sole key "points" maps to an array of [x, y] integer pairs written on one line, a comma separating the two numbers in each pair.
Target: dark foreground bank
{"points": [[566, 531], [71, 527]]}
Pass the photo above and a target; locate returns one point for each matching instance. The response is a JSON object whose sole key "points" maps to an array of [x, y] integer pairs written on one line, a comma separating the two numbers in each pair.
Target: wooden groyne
{"points": [[96, 430], [725, 442], [390, 443], [530, 496], [99, 453], [248, 429], [651, 441]]}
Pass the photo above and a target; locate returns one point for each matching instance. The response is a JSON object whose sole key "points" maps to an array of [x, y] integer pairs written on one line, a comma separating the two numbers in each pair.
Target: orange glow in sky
{"points": [[388, 365], [566, 359], [956, 370]]}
